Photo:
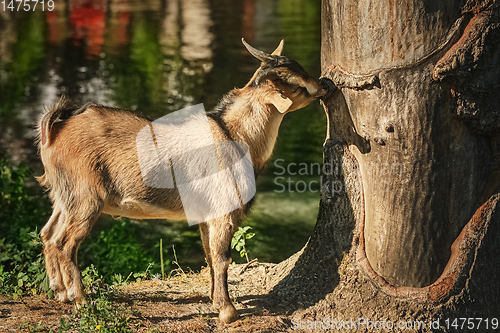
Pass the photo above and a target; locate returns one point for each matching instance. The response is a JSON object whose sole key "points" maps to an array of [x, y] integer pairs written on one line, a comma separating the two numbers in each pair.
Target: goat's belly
{"points": [[141, 210]]}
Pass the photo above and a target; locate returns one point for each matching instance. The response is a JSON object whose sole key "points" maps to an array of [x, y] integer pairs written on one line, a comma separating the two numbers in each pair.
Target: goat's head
{"points": [[286, 84]]}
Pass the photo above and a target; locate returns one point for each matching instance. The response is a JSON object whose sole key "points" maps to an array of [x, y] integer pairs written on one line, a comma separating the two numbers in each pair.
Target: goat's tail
{"points": [[62, 109]]}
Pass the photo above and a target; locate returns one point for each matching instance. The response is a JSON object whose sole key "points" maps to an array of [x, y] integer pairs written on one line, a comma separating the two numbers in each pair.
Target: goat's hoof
{"points": [[228, 314], [80, 301], [79, 305], [63, 296]]}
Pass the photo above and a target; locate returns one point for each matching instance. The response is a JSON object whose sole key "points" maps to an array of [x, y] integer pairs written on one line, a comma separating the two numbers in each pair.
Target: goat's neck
{"points": [[255, 123]]}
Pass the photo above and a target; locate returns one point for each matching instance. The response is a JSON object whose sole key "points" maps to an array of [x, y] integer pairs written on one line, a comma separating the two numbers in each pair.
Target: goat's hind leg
{"points": [[48, 234], [221, 232], [77, 226]]}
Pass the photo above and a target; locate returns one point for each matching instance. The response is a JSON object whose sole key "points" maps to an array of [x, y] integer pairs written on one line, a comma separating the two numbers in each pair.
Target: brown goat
{"points": [[91, 167]]}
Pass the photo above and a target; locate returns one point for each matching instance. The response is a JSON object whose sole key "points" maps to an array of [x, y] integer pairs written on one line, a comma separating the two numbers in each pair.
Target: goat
{"points": [[91, 167]]}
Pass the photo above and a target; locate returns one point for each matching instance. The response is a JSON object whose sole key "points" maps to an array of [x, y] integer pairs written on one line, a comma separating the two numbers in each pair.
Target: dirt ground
{"points": [[177, 304]]}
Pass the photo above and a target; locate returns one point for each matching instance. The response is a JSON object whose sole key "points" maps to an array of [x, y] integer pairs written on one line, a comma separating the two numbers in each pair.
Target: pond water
{"points": [[156, 57]]}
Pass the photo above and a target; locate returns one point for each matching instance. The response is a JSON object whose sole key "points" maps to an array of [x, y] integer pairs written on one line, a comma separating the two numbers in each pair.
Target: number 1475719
{"points": [[27, 5]]}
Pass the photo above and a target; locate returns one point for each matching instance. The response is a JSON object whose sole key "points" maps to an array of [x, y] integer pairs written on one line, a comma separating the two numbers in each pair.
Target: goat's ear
{"points": [[281, 102], [279, 49]]}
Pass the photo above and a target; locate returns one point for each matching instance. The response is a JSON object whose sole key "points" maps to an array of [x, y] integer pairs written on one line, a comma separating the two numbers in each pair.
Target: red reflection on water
{"points": [[88, 23]]}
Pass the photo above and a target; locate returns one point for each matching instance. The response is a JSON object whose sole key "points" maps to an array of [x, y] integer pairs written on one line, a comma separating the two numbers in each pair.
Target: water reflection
{"points": [[156, 56], [87, 24]]}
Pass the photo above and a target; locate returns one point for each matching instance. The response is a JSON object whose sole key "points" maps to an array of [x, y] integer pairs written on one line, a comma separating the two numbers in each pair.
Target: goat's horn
{"points": [[261, 55], [279, 49]]}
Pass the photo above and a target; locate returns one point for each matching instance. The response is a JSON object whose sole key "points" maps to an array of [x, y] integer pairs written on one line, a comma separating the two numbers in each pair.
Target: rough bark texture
{"points": [[408, 230]]}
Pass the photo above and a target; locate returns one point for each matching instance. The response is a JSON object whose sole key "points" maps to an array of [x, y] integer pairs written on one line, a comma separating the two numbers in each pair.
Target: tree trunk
{"points": [[408, 221]]}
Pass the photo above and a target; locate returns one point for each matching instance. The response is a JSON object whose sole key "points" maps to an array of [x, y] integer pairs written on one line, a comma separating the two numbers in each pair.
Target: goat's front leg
{"points": [[221, 232], [205, 238]]}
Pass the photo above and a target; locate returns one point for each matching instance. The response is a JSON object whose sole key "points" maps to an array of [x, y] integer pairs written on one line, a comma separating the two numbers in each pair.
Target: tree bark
{"points": [[408, 220]]}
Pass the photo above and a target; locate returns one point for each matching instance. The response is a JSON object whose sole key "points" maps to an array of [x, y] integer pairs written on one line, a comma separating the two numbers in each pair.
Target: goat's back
{"points": [[91, 152]]}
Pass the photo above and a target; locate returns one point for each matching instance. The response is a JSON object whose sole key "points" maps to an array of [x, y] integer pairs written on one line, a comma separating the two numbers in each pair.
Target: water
{"points": [[156, 57]]}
